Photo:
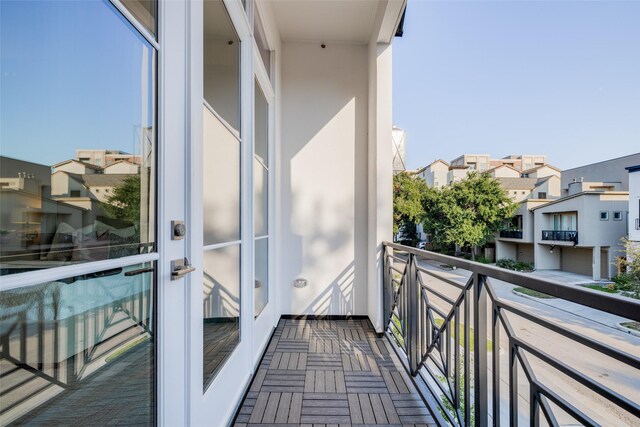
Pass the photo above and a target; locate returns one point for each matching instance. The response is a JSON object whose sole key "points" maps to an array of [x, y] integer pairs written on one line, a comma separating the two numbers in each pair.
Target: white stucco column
{"points": [[596, 267]]}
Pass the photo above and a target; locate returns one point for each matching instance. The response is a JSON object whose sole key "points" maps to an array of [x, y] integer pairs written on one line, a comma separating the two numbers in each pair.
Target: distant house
{"points": [[435, 174], [504, 171]]}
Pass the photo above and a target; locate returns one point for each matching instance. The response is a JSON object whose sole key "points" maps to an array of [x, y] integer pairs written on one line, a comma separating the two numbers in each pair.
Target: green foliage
{"points": [[483, 259], [408, 193], [124, 201], [468, 212], [514, 265], [630, 280]]}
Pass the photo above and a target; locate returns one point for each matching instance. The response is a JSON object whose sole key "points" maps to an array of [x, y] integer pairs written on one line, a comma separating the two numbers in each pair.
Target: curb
{"points": [[627, 330]]}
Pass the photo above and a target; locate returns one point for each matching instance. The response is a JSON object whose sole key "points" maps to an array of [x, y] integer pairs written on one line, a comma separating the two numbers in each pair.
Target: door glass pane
{"points": [[261, 125], [221, 182], [221, 63], [261, 41], [77, 160], [221, 306], [260, 200], [79, 351], [261, 286], [144, 11]]}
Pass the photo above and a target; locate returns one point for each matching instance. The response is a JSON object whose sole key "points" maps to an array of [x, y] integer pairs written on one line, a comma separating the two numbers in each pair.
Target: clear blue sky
{"points": [[560, 78], [70, 77]]}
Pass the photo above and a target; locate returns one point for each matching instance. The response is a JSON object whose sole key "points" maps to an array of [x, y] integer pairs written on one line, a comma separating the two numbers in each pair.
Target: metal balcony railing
{"points": [[480, 359], [560, 236], [511, 234]]}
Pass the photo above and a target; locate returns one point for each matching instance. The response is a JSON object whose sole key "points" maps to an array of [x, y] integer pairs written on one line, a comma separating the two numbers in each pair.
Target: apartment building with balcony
{"points": [[516, 240], [581, 233]]}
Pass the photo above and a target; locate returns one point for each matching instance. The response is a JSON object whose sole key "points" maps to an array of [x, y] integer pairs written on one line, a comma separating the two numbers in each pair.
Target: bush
{"points": [[524, 266], [483, 259], [510, 264], [506, 263], [623, 282]]}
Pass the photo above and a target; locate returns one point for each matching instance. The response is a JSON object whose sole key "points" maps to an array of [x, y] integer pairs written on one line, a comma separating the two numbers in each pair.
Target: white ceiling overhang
{"points": [[342, 21]]}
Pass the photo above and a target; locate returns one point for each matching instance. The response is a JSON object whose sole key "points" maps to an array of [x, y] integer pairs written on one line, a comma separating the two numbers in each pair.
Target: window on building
{"points": [[604, 216], [74, 193], [542, 195], [617, 216]]}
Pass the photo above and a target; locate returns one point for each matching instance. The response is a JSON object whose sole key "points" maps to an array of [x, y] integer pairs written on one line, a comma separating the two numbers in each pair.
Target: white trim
{"points": [[30, 278], [261, 237], [226, 124], [144, 32], [221, 245]]}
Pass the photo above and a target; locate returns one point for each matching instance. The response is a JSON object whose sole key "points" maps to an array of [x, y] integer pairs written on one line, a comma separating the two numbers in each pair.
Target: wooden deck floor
{"points": [[331, 373]]}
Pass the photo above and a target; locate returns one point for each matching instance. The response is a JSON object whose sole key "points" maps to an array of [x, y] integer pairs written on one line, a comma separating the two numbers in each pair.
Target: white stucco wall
{"points": [[323, 186]]}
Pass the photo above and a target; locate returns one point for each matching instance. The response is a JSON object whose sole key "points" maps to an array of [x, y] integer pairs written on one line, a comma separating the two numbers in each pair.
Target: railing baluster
{"points": [[495, 338], [513, 383], [480, 350], [413, 294], [456, 358], [467, 358]]}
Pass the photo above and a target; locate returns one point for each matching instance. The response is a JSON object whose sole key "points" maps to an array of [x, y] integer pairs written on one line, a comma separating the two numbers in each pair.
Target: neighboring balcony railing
{"points": [[511, 234], [637, 223], [560, 236], [480, 359]]}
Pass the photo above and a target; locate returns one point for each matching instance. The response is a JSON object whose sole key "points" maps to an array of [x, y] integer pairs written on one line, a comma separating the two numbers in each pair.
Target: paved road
{"points": [[597, 325]]}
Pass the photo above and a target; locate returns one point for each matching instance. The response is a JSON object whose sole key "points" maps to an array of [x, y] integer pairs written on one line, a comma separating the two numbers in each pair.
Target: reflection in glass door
{"points": [[77, 185], [261, 200], [221, 198]]}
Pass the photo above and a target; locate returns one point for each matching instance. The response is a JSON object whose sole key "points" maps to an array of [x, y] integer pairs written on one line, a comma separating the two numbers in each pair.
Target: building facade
{"points": [[158, 309]]}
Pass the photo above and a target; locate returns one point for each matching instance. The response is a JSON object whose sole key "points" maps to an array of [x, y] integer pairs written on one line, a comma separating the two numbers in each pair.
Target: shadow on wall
{"points": [[338, 297], [324, 160]]}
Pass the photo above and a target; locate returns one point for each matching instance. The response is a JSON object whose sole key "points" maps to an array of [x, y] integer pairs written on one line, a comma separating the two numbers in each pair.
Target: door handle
{"points": [[180, 268]]}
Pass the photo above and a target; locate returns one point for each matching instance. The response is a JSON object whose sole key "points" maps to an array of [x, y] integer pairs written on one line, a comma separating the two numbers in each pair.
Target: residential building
{"points": [[399, 140], [610, 171], [541, 171], [504, 171], [159, 313], [634, 204], [102, 158], [581, 233], [483, 162], [516, 240], [435, 174]]}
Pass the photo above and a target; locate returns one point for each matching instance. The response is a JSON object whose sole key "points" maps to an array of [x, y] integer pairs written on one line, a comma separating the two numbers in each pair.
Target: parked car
{"points": [[421, 245]]}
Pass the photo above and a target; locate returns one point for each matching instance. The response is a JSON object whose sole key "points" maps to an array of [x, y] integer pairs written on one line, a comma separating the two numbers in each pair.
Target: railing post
{"points": [[414, 306], [387, 287], [480, 351]]}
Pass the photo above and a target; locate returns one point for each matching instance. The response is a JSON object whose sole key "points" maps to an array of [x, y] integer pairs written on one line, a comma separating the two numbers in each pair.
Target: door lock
{"points": [[178, 230], [180, 268]]}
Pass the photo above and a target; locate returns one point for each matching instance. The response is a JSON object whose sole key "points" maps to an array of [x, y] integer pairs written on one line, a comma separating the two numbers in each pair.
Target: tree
{"points": [[408, 194], [124, 201], [631, 264], [468, 212]]}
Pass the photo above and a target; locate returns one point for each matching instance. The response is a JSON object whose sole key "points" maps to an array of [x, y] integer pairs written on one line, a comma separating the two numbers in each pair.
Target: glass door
{"points": [[78, 253]]}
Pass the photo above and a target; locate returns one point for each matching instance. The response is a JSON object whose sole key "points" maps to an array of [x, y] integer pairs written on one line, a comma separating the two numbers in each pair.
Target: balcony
{"points": [[560, 236], [511, 234], [481, 355]]}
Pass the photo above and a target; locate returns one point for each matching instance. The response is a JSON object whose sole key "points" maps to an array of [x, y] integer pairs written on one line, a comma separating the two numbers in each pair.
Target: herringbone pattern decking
{"points": [[333, 373]]}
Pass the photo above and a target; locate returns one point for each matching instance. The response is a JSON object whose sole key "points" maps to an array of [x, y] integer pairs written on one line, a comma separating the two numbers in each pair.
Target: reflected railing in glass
{"points": [[79, 350], [62, 203]]}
